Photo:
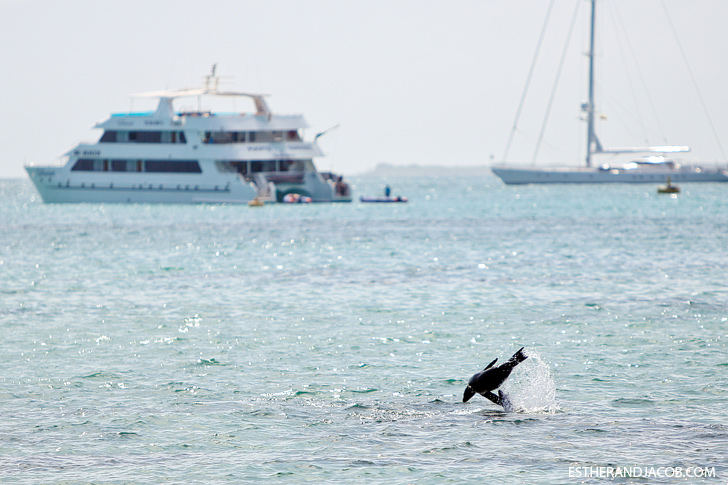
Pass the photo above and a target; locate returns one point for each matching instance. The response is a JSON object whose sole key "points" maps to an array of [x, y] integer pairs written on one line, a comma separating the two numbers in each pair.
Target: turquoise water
{"points": [[332, 342]]}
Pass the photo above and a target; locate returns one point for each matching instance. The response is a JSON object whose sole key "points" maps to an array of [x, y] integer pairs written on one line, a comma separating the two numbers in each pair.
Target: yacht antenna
{"points": [[211, 77], [318, 135]]}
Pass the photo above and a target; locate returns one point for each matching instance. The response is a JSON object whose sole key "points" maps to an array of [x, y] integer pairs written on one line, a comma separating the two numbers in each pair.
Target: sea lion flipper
{"points": [[492, 398], [518, 357], [491, 364]]}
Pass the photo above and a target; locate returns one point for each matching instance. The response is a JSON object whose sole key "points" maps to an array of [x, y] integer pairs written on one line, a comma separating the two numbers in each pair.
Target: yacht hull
{"points": [[58, 185]]}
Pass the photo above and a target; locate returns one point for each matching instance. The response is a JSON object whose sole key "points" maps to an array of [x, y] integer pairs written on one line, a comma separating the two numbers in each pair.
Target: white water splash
{"points": [[531, 387]]}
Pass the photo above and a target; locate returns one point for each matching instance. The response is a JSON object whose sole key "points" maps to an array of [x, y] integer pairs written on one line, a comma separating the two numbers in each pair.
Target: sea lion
{"points": [[491, 378]]}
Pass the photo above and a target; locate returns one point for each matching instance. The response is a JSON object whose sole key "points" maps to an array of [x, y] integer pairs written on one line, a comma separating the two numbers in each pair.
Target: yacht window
{"points": [[118, 166], [224, 167], [108, 137], [145, 136], [172, 166], [263, 166], [172, 137], [221, 137], [218, 137], [224, 137], [239, 166], [112, 136], [84, 164], [263, 136]]}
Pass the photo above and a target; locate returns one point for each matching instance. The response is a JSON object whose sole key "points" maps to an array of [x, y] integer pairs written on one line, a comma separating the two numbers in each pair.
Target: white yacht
{"points": [[655, 167], [193, 156]]}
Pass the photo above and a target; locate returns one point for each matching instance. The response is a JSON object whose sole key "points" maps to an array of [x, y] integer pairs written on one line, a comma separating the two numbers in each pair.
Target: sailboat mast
{"points": [[591, 136]]}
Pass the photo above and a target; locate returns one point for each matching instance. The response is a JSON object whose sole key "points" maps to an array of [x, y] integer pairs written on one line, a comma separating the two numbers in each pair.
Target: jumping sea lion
{"points": [[491, 378]]}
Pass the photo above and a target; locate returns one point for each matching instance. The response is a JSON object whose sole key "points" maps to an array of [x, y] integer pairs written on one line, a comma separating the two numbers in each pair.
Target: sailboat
{"points": [[653, 167]]}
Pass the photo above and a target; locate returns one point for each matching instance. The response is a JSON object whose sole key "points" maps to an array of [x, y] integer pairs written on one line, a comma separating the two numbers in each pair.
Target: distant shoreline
{"points": [[389, 170]]}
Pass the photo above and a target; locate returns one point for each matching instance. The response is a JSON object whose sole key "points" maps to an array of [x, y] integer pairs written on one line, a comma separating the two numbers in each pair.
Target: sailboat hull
{"points": [[520, 176]]}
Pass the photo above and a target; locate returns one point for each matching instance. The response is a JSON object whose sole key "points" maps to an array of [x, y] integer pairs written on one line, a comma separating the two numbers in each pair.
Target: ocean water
{"points": [[331, 343]]}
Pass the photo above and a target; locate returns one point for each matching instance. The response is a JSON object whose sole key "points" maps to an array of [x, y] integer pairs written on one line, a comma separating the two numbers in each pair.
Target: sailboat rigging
{"points": [[654, 168]]}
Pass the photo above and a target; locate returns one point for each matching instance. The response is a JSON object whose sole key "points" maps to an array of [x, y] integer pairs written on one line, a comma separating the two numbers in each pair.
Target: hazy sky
{"points": [[410, 81]]}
